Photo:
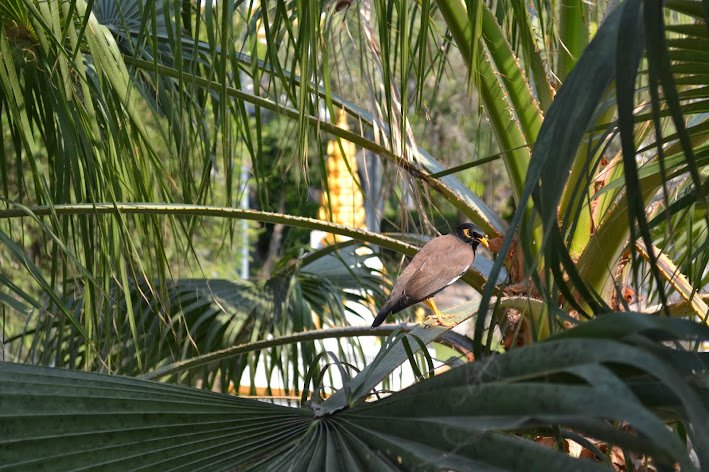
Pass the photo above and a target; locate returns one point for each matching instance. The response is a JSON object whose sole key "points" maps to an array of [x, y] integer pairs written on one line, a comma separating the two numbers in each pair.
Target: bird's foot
{"points": [[437, 320]]}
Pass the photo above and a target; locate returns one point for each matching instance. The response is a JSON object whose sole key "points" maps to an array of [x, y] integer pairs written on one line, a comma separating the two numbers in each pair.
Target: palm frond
{"points": [[583, 383]]}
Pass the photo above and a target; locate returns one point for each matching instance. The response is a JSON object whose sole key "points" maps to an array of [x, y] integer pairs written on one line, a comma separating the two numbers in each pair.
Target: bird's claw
{"points": [[437, 320]]}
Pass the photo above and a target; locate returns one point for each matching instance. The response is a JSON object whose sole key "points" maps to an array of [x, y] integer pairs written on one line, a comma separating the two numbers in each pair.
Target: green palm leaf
{"points": [[460, 419]]}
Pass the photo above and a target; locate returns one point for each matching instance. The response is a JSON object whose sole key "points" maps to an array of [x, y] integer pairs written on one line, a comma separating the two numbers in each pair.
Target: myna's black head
{"points": [[471, 234]]}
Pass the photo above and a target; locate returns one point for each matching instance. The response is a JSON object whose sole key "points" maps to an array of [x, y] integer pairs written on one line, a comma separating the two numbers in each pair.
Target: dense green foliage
{"points": [[126, 127]]}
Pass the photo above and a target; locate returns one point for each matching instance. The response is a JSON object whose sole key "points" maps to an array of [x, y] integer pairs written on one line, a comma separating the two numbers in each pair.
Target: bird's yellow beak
{"points": [[484, 242]]}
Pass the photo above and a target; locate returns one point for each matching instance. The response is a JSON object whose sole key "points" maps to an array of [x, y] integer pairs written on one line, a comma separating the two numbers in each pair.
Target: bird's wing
{"points": [[439, 263]]}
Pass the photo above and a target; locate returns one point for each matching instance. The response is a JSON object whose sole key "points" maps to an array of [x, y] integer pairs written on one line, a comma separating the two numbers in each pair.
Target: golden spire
{"points": [[345, 195]]}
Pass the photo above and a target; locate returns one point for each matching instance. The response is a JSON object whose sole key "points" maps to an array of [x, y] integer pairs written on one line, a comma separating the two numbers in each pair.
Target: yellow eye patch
{"points": [[467, 233]]}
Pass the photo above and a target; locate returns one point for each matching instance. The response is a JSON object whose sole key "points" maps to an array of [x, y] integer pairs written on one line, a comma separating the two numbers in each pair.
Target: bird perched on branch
{"points": [[438, 264]]}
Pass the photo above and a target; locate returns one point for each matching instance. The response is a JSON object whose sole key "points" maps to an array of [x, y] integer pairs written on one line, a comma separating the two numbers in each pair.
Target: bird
{"points": [[438, 264]]}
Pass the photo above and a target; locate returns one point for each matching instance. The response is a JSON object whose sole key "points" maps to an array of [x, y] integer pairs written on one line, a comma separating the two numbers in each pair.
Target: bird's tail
{"points": [[381, 316]]}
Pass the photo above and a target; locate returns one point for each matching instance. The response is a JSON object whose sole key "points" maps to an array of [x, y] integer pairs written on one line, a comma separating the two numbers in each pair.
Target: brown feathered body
{"points": [[438, 264]]}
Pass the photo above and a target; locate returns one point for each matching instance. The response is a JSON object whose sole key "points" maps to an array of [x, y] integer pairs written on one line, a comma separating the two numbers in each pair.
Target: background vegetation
{"points": [[574, 134]]}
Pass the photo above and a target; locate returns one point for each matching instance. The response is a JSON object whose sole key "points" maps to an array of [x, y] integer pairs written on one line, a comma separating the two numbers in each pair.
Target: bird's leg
{"points": [[436, 314]]}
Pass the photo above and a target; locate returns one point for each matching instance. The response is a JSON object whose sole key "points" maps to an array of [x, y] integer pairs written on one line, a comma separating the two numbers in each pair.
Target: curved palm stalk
{"points": [[237, 213], [235, 351], [222, 212], [531, 49], [449, 187], [312, 335], [494, 88], [573, 35]]}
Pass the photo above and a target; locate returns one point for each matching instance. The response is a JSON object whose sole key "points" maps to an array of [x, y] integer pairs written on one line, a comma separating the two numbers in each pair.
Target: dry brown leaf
{"points": [[550, 442]]}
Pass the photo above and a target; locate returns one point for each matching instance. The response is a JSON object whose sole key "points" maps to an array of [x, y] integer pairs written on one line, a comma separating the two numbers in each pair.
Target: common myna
{"points": [[439, 263]]}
